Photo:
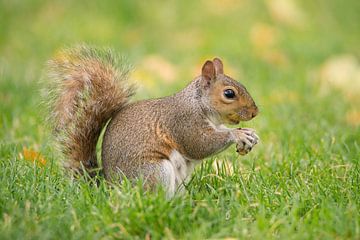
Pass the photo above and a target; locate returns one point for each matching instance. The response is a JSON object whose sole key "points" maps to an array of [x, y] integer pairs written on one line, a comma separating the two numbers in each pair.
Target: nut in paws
{"points": [[247, 140]]}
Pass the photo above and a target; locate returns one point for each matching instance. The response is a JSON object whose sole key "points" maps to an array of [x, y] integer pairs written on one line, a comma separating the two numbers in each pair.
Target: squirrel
{"points": [[159, 140]]}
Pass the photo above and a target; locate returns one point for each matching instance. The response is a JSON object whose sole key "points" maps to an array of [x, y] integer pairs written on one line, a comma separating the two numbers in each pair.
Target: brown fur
{"points": [[87, 94], [146, 132], [142, 136]]}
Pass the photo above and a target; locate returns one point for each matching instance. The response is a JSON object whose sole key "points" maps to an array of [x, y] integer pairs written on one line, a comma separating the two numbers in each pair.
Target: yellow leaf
{"points": [[353, 118], [265, 39], [286, 12], [158, 66], [222, 8], [188, 40], [274, 57], [341, 72], [263, 36], [33, 156]]}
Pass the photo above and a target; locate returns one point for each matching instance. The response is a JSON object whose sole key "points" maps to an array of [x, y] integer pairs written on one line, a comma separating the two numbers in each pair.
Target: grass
{"points": [[301, 182]]}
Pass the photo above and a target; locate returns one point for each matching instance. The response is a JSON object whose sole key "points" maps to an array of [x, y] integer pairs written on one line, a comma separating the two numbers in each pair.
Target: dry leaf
{"points": [[221, 8], [263, 36], [160, 67], [144, 78], [264, 39], [33, 156], [353, 118], [190, 40], [274, 57], [286, 12], [341, 72], [152, 69]]}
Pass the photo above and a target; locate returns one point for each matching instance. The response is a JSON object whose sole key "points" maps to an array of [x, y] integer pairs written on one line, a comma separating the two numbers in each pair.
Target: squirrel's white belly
{"points": [[176, 171]]}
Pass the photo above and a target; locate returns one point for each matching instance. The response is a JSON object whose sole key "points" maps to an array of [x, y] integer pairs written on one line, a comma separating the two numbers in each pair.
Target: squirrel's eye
{"points": [[229, 93]]}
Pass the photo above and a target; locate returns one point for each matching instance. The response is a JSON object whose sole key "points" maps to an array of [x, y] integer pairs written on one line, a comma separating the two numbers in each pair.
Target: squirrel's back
{"points": [[85, 94], [160, 140], [136, 134], [150, 130]]}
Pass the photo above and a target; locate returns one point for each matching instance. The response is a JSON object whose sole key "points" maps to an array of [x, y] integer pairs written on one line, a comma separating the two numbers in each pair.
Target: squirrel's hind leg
{"points": [[174, 173], [167, 178], [168, 173], [159, 174]]}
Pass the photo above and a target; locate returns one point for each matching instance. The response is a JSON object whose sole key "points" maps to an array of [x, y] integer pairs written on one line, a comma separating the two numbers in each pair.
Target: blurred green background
{"points": [[285, 52], [299, 60]]}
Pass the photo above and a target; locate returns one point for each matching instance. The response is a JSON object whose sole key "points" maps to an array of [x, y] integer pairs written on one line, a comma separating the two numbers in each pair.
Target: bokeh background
{"points": [[290, 54], [298, 59]]}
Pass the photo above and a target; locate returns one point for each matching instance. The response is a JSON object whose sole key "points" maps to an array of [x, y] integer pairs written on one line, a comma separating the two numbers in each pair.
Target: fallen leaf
{"points": [[221, 8], [160, 67], [144, 78], [33, 156], [353, 118], [341, 72], [189, 40], [274, 57], [287, 12], [263, 36]]}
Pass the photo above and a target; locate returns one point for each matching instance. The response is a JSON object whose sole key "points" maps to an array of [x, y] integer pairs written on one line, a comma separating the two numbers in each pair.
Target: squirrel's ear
{"points": [[208, 71], [219, 67]]}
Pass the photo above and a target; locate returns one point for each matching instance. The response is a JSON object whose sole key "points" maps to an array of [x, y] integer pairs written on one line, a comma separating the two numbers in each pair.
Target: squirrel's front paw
{"points": [[246, 140]]}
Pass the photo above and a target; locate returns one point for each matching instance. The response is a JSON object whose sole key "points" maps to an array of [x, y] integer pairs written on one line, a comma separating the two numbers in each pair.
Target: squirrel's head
{"points": [[228, 98]]}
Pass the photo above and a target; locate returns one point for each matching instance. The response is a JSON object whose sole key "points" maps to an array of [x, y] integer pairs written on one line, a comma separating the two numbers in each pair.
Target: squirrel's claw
{"points": [[247, 141]]}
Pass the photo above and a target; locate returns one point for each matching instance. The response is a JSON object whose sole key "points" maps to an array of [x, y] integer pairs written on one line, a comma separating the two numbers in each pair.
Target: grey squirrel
{"points": [[160, 140]]}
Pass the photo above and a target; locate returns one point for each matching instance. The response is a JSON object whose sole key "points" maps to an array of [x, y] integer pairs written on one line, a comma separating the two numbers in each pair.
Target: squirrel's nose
{"points": [[255, 112]]}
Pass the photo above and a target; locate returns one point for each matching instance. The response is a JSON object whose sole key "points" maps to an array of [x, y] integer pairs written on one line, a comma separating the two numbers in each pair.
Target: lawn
{"points": [[298, 59]]}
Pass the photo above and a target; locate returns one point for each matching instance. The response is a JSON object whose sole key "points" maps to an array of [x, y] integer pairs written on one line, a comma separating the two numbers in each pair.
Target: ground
{"points": [[298, 59]]}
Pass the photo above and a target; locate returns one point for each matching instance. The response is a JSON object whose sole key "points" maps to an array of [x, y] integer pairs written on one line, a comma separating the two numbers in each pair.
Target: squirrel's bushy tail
{"points": [[87, 89]]}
